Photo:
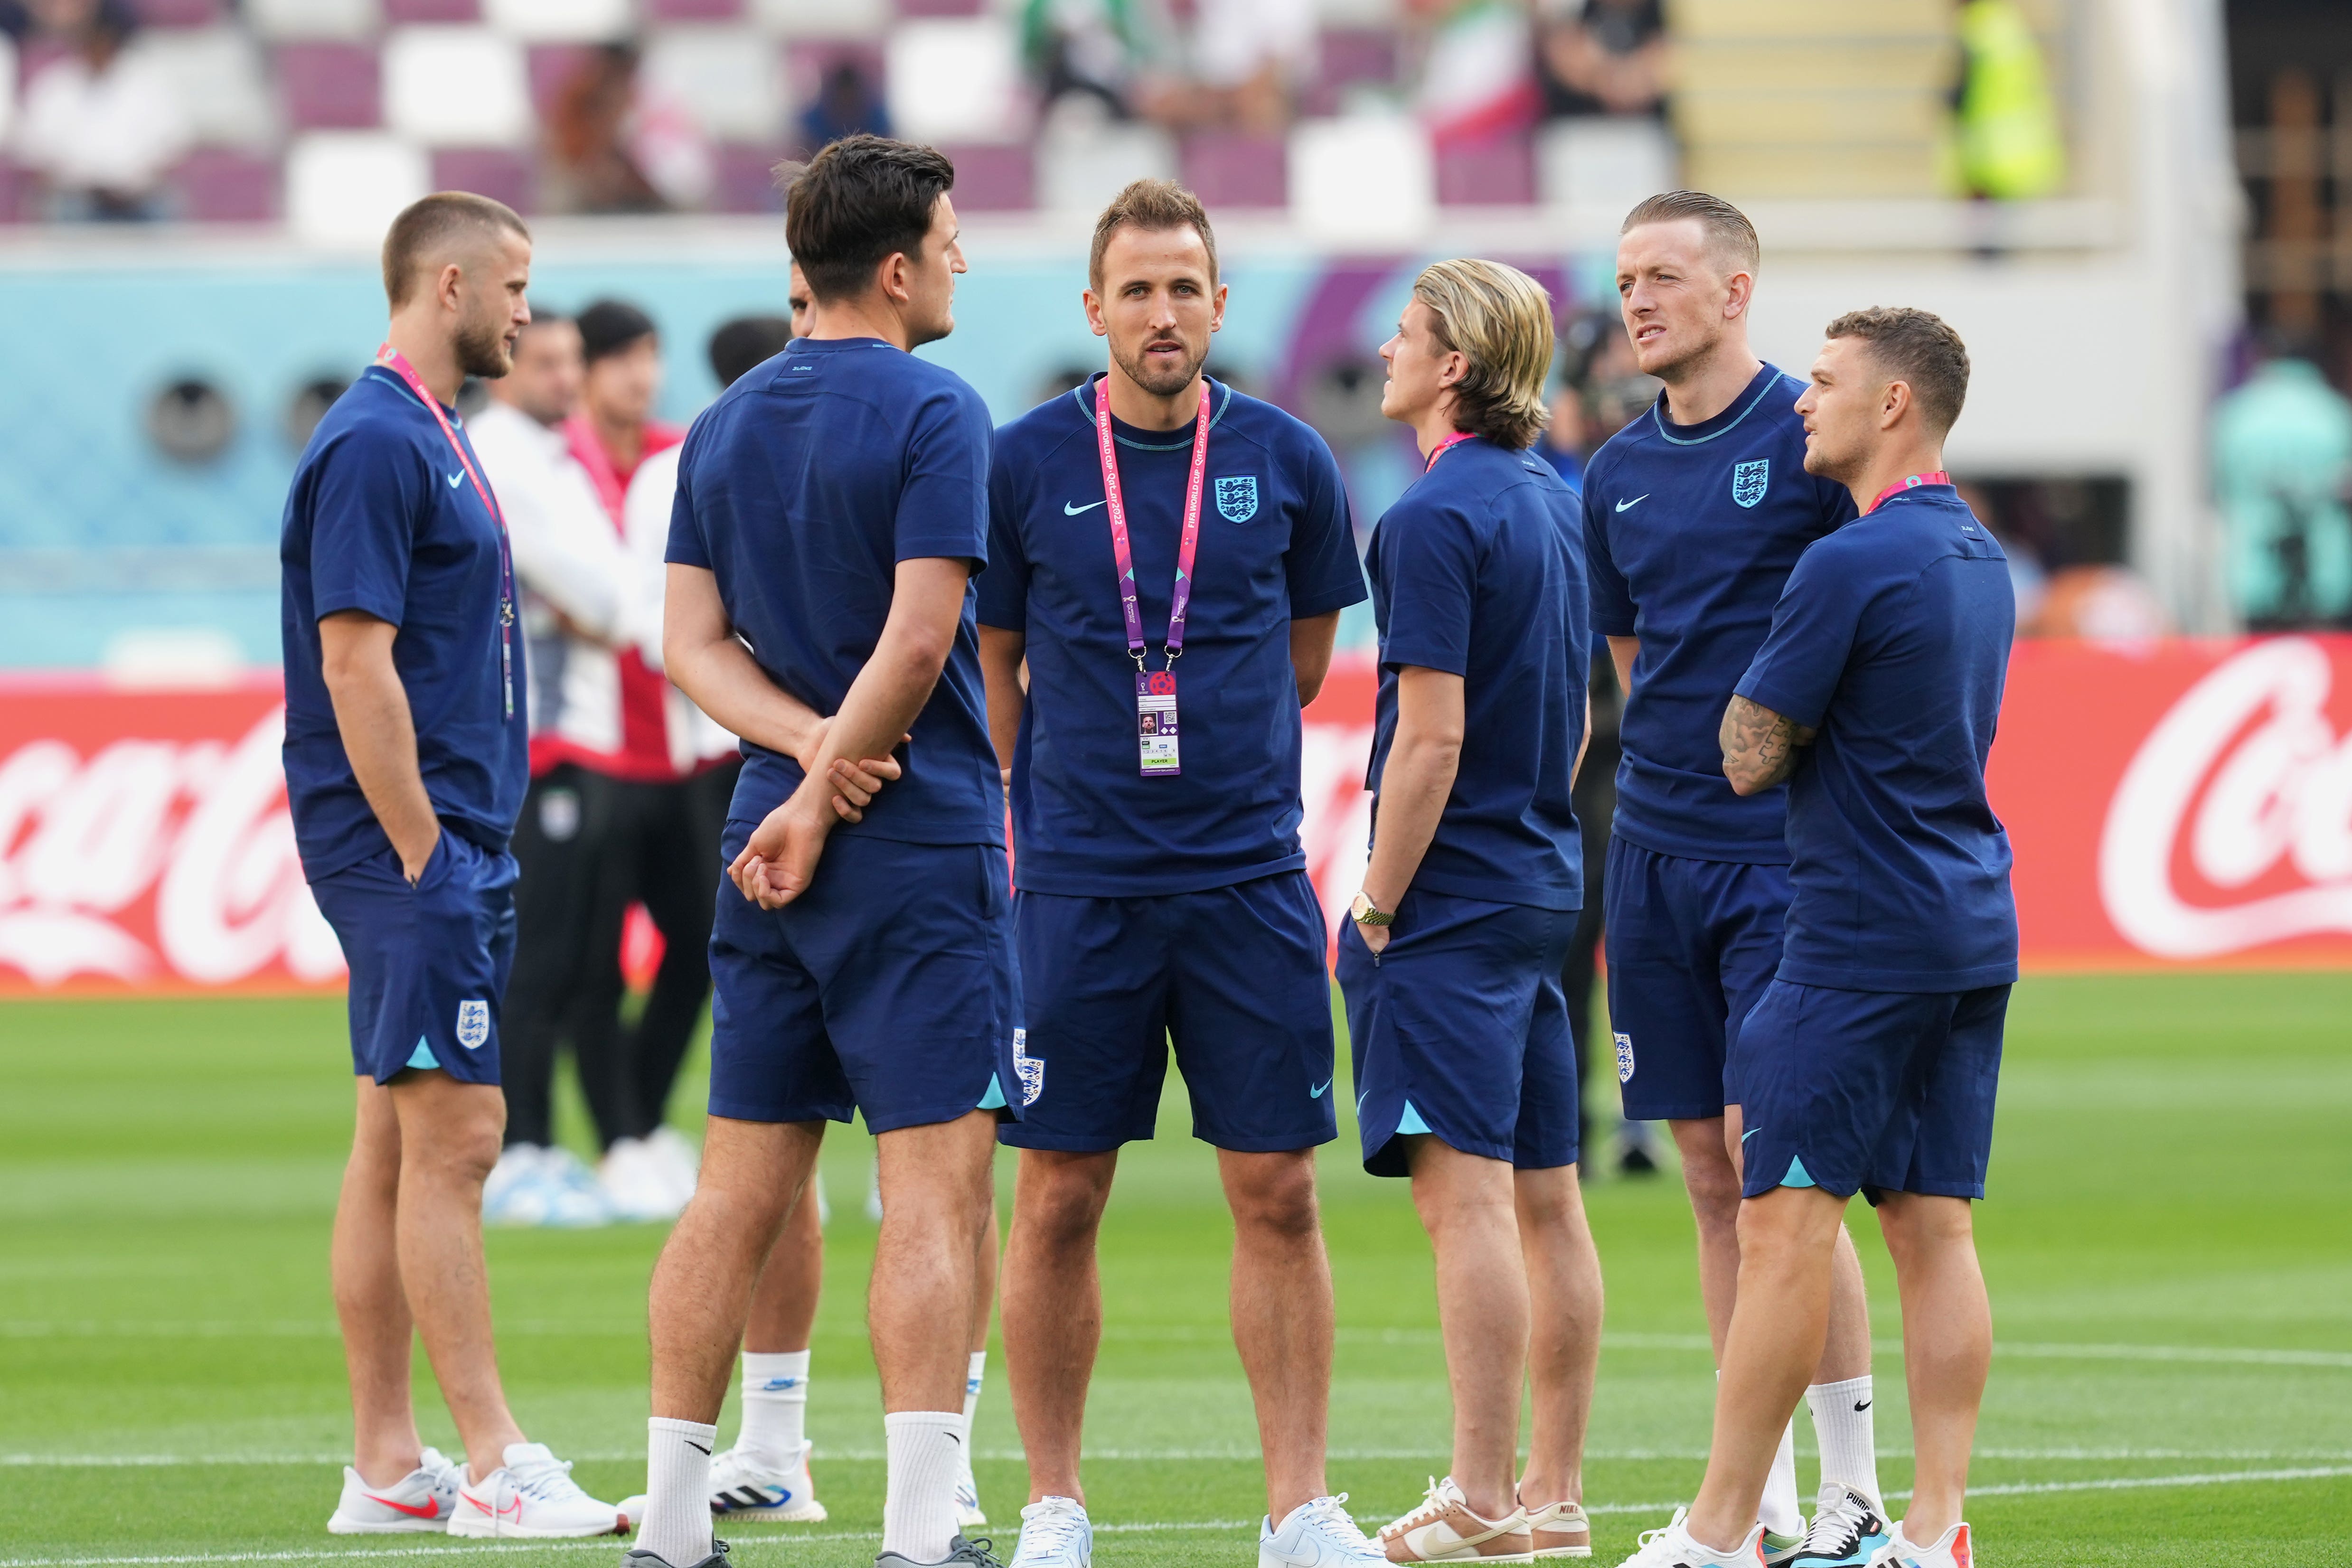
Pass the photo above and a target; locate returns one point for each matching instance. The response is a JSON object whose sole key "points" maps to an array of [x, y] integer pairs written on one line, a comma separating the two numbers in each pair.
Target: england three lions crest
{"points": [[473, 1024], [1237, 498], [1750, 480]]}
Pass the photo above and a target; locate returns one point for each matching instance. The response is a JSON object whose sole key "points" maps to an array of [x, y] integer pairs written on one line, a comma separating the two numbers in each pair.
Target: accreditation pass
{"points": [[1155, 722]]}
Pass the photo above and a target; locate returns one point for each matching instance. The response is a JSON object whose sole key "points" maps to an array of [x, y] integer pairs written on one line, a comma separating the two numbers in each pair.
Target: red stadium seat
{"points": [[398, 11], [496, 172], [747, 179], [991, 178], [178, 13], [219, 185], [1234, 168], [328, 85], [1347, 57], [1495, 171]]}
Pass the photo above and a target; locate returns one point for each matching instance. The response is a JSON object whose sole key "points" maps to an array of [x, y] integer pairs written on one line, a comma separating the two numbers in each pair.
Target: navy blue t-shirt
{"points": [[1893, 640], [1478, 570], [801, 490], [383, 519], [1275, 546], [1690, 531]]}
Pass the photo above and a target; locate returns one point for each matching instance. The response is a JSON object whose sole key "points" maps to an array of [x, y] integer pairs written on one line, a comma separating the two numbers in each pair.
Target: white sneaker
{"points": [[532, 1495], [1849, 1531], [967, 1501], [534, 1186], [1955, 1548], [1560, 1529], [681, 1162], [636, 1182], [1673, 1548], [1054, 1534], [746, 1486], [422, 1500], [1318, 1534], [1443, 1529]]}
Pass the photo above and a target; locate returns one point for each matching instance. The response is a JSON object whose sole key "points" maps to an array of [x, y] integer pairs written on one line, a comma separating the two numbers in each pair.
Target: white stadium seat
{"points": [[7, 85], [731, 77], [349, 20], [562, 21], [823, 18], [221, 82], [456, 87], [1363, 179], [1081, 167], [1604, 166], [956, 79], [344, 188]]}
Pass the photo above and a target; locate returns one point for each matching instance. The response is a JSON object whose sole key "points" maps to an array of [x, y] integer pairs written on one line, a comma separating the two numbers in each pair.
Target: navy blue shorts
{"points": [[888, 988], [429, 963], [1459, 1029], [1870, 1091], [1234, 975], [1692, 944]]}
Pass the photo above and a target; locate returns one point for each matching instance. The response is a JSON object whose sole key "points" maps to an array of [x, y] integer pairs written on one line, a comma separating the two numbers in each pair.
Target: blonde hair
{"points": [[1500, 319]]}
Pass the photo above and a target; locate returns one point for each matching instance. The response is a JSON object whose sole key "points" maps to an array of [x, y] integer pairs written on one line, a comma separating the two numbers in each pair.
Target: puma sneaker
{"points": [[1848, 1530]]}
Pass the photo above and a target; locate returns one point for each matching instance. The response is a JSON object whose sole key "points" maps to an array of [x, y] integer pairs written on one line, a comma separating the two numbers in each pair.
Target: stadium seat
{"points": [[1379, 15], [221, 185], [344, 187], [1604, 166], [329, 86], [561, 21], [1235, 169], [178, 13], [1493, 172], [942, 7], [15, 193], [499, 172], [221, 81], [955, 79], [349, 20], [823, 18], [7, 85], [455, 87], [731, 76], [1362, 179], [1081, 168], [693, 10], [991, 177], [407, 11], [747, 181], [1349, 58]]}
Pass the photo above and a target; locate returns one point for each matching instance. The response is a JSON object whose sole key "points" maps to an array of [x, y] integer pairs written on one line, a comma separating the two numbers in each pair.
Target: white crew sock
{"points": [[676, 1527], [776, 1405], [1779, 1511], [972, 1382], [919, 1515], [1843, 1425]]}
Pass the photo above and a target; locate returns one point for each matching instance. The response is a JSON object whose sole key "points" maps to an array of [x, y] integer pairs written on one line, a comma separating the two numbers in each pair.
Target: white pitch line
{"points": [[1195, 1456]]}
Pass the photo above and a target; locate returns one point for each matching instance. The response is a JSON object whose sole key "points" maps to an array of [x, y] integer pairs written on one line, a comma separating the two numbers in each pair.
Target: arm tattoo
{"points": [[1759, 746]]}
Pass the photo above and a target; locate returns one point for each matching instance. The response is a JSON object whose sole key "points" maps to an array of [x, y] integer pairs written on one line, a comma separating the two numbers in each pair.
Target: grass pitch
{"points": [[2166, 1241]]}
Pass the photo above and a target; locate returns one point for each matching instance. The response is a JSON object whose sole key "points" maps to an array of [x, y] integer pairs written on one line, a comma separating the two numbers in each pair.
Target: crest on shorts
{"points": [[1237, 498], [1748, 481], [1032, 1069], [473, 1024], [1624, 1057]]}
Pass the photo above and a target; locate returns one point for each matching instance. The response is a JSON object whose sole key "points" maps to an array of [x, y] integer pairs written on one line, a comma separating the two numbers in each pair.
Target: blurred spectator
{"points": [[102, 126], [2007, 143], [846, 104], [1249, 60], [616, 145], [1561, 444], [2027, 579], [2282, 465], [1615, 392], [1113, 51], [1603, 56], [1475, 79], [2101, 603]]}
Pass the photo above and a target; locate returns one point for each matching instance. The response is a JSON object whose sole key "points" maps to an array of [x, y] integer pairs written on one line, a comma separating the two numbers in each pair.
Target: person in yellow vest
{"points": [[2007, 144]]}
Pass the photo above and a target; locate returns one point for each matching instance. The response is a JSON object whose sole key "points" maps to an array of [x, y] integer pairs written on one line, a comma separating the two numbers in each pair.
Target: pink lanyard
{"points": [[1909, 482], [1442, 447], [1181, 599], [392, 359]]}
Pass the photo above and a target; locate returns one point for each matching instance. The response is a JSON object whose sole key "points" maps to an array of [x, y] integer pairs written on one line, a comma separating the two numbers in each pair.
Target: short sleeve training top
{"points": [[382, 518], [800, 490]]}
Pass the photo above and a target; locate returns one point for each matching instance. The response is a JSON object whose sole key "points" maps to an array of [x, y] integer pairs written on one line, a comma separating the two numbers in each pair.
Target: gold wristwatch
{"points": [[1364, 912]]}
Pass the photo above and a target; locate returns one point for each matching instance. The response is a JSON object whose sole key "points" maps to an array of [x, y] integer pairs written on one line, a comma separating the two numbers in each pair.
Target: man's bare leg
{"points": [[1946, 1349], [784, 1303], [1564, 1294], [1053, 1308], [1468, 1207], [450, 1137], [1283, 1316], [1712, 1179], [369, 1300]]}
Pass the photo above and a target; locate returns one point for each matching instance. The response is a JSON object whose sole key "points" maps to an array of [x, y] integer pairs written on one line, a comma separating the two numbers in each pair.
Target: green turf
{"points": [[2166, 1242]]}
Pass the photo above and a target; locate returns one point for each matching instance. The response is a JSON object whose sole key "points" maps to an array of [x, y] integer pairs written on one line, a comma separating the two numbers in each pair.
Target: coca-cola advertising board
{"points": [[2188, 802]]}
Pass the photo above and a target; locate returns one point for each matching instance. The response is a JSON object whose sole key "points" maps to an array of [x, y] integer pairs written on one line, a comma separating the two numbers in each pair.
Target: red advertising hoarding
{"points": [[2186, 802]]}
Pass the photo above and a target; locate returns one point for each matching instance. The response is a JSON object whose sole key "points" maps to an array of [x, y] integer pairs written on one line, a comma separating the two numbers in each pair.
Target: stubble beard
{"points": [[1162, 383], [483, 351]]}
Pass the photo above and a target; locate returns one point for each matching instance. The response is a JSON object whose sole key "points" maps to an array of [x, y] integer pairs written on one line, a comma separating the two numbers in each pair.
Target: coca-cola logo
{"points": [[200, 825], [2232, 828]]}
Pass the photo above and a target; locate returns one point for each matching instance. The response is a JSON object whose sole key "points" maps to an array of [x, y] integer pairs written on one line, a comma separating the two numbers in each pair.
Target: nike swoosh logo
{"points": [[1317, 1093], [1861, 1407], [1636, 501], [429, 1509], [459, 477], [695, 1446], [1749, 1134], [1070, 511]]}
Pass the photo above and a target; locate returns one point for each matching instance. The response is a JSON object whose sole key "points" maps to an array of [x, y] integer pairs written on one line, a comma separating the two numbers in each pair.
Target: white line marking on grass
{"points": [[1198, 1456]]}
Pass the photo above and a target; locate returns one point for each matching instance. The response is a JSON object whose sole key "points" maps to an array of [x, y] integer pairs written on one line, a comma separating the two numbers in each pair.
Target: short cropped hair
{"points": [[1500, 319], [1728, 233], [740, 346], [1153, 206], [609, 326], [858, 202], [430, 223], [1917, 348]]}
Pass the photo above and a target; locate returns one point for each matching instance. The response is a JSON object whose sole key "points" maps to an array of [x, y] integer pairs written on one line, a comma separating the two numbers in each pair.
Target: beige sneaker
{"points": [[1560, 1529], [1443, 1529]]}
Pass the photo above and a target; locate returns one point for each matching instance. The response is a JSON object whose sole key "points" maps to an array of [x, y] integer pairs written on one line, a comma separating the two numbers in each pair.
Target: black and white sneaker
{"points": [[638, 1557], [971, 1553], [1849, 1531]]}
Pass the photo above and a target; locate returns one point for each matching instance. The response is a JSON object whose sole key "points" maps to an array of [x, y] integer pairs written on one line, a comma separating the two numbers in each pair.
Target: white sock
{"points": [[776, 1405], [1779, 1511], [971, 1383], [919, 1516], [1843, 1425], [676, 1527]]}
